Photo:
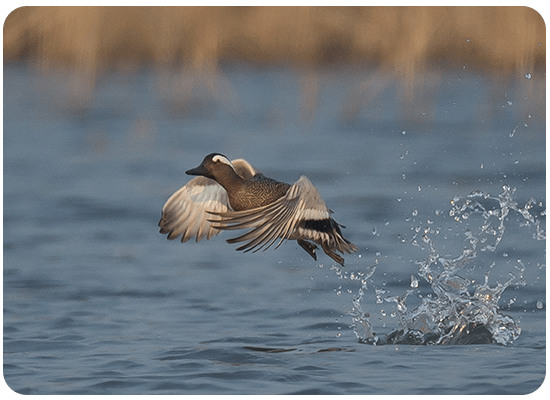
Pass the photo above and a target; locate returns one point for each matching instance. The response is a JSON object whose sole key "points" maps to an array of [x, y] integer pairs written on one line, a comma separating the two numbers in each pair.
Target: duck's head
{"points": [[213, 165]]}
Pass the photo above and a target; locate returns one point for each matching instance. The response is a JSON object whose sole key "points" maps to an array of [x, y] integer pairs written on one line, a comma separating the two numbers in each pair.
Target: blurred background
{"points": [[404, 48], [392, 112]]}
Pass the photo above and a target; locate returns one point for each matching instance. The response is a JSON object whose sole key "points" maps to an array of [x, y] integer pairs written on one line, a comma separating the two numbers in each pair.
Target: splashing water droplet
{"points": [[460, 310]]}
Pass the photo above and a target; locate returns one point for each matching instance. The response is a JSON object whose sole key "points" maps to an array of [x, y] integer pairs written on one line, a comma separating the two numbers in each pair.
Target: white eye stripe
{"points": [[222, 159]]}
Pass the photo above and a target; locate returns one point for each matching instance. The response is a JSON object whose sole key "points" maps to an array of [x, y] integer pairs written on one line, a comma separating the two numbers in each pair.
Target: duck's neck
{"points": [[230, 181]]}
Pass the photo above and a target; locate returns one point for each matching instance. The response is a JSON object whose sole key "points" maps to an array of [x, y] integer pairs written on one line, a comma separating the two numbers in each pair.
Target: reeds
{"points": [[400, 39], [403, 46]]}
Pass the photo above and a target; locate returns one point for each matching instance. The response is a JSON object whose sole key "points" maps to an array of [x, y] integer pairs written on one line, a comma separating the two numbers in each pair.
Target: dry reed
{"points": [[401, 39], [399, 43]]}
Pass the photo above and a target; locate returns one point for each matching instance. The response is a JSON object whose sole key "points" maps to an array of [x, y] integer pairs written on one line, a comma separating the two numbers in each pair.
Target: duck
{"points": [[231, 195]]}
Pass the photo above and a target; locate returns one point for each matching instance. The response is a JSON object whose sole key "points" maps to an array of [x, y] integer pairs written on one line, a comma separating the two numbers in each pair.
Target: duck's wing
{"points": [[300, 214], [185, 213], [244, 169]]}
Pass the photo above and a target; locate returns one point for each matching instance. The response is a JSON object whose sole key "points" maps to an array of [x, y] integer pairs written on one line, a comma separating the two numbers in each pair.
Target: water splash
{"points": [[360, 320], [460, 311]]}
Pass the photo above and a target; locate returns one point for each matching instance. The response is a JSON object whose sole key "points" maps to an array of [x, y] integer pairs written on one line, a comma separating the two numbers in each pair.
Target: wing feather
{"points": [[244, 169], [185, 213], [279, 219]]}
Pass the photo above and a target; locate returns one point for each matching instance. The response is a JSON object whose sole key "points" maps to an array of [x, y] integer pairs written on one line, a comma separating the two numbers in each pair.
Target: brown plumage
{"points": [[234, 195]]}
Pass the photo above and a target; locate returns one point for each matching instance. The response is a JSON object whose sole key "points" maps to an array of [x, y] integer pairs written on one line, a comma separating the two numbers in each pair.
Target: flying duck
{"points": [[228, 195]]}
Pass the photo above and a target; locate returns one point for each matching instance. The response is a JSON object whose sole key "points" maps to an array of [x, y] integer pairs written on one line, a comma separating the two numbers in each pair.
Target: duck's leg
{"points": [[309, 247], [328, 251]]}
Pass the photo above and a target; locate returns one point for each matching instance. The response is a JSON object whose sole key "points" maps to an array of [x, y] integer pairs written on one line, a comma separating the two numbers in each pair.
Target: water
{"points": [[454, 313], [96, 301]]}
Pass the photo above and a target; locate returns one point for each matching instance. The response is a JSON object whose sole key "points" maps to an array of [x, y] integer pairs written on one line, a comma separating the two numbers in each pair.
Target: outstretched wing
{"points": [[301, 211], [186, 211]]}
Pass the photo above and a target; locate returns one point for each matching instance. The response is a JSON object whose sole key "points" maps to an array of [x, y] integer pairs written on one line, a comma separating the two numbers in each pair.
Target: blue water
{"points": [[96, 301]]}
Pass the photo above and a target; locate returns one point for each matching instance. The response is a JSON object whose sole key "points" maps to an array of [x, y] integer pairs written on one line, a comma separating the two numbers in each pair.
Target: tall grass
{"points": [[398, 43], [402, 39]]}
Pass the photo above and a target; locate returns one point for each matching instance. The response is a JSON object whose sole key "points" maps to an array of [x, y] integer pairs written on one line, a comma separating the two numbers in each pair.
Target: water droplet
{"points": [[528, 75], [540, 304], [414, 213], [414, 282], [404, 132]]}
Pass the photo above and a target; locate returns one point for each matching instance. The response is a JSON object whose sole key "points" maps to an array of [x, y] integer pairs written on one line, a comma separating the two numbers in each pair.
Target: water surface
{"points": [[96, 301]]}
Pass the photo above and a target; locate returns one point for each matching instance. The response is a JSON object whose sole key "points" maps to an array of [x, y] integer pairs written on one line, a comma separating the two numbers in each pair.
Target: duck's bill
{"points": [[200, 170]]}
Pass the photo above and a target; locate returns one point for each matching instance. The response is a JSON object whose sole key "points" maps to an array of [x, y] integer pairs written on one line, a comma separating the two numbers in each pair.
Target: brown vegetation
{"points": [[401, 39], [399, 44]]}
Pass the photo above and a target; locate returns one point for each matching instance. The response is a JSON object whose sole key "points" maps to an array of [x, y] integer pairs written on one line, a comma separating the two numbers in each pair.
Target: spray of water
{"points": [[459, 311]]}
